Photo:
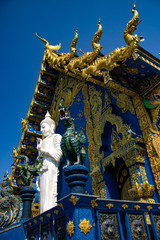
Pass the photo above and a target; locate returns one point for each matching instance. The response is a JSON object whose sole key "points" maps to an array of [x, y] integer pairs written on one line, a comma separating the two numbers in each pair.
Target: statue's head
{"points": [[47, 125]]}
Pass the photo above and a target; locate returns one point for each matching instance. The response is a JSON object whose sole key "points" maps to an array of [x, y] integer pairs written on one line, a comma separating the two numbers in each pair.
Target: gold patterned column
{"points": [[146, 126], [95, 121]]}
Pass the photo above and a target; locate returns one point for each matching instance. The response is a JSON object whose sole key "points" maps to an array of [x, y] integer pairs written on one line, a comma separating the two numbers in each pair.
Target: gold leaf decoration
{"points": [[85, 226], [74, 200], [70, 228], [149, 207], [61, 205], [109, 205], [94, 203], [137, 207], [56, 212], [48, 215], [124, 206]]}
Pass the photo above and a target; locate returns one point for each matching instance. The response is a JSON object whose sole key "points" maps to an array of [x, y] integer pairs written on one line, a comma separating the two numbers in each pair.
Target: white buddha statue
{"points": [[51, 150]]}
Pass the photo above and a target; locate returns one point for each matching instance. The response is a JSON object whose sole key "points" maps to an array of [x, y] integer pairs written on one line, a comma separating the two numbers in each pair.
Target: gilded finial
{"points": [[134, 7], [74, 41], [55, 48], [15, 153]]}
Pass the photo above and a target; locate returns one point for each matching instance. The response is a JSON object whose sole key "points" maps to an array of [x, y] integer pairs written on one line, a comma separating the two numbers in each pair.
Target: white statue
{"points": [[51, 150]]}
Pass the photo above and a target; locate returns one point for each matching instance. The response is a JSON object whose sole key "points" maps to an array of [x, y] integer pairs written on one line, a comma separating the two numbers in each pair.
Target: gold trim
{"points": [[5, 230]]}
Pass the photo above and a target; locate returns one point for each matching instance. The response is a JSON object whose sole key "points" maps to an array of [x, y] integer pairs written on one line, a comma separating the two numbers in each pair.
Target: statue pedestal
{"points": [[27, 195], [76, 177]]}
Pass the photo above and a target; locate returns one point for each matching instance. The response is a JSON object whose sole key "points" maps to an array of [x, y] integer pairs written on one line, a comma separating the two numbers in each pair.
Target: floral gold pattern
{"points": [[149, 207], [137, 207], [56, 212], [60, 205], [124, 206], [94, 203], [74, 200], [70, 228], [109, 205], [85, 226]]}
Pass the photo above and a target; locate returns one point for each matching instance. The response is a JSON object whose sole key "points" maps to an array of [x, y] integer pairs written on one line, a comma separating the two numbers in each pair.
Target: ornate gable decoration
{"points": [[91, 63]]}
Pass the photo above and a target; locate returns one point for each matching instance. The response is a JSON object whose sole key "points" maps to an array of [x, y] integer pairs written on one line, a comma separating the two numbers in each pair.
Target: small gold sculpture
{"points": [[142, 192], [85, 226], [65, 57], [50, 49], [70, 228], [24, 123], [55, 60]]}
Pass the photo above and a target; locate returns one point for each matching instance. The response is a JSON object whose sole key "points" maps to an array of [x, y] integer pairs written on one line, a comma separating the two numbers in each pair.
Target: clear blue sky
{"points": [[56, 21]]}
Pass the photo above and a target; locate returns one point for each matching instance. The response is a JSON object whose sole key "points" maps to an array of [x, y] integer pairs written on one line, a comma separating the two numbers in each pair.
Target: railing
{"points": [[79, 217]]}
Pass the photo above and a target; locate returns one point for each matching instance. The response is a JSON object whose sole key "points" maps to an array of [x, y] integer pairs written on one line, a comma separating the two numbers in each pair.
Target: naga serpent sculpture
{"points": [[86, 58], [55, 60], [110, 61], [9, 203]]}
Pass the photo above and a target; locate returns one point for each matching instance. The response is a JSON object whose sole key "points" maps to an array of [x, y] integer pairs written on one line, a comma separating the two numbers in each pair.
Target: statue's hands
{"points": [[39, 140]]}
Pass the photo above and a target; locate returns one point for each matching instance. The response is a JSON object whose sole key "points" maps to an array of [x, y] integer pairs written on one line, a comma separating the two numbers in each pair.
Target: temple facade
{"points": [[114, 100]]}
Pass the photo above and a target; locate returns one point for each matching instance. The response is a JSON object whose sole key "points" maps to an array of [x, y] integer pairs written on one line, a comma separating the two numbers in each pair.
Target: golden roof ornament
{"points": [[81, 62], [110, 61], [90, 63], [64, 58], [48, 46]]}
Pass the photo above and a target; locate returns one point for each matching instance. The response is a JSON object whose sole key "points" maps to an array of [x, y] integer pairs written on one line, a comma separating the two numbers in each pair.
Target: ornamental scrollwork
{"points": [[66, 89], [123, 101]]}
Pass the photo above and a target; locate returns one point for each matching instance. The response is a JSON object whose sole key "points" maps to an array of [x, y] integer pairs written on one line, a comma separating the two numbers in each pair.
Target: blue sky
{"points": [[56, 21]]}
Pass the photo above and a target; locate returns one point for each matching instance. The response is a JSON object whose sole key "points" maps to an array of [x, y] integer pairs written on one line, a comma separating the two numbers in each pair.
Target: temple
{"points": [[114, 102]]}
